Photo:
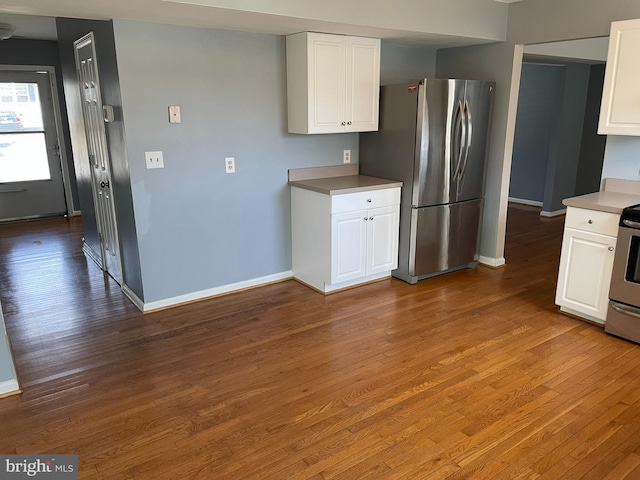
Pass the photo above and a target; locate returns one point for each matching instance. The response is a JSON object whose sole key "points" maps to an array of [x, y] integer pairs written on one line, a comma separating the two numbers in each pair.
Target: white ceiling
{"points": [[36, 19], [30, 26]]}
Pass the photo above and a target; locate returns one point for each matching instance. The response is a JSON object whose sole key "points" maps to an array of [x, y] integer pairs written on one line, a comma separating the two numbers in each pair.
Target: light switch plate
{"points": [[154, 159], [174, 114]]}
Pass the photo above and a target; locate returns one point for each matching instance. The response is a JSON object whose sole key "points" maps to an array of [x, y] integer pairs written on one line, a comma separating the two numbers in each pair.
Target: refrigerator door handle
{"points": [[467, 142], [459, 133]]}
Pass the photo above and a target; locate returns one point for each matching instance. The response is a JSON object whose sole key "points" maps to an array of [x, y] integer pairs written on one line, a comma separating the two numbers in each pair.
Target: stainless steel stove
{"points": [[623, 316]]}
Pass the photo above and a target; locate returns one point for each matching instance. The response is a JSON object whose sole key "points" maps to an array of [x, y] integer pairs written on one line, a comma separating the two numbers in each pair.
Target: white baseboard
{"points": [[130, 294], [76, 213], [524, 201], [553, 214], [214, 292], [88, 251], [492, 261], [9, 386]]}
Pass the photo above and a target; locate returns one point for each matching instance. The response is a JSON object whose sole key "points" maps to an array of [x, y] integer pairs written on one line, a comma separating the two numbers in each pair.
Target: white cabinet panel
{"points": [[363, 84], [382, 239], [620, 109], [604, 223], [586, 263], [348, 246], [326, 82], [333, 83], [365, 200]]}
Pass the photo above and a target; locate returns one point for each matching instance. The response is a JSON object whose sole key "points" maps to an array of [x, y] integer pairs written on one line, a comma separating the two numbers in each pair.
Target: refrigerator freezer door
{"points": [[444, 237], [439, 141]]}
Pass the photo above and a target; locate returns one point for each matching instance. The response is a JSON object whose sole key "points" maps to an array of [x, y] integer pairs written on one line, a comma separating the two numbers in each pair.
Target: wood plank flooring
{"points": [[470, 375]]}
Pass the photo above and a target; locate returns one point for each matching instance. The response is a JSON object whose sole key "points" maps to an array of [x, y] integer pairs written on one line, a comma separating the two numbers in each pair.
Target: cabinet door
{"points": [[585, 272], [348, 245], [382, 239], [326, 83], [620, 110], [362, 84]]}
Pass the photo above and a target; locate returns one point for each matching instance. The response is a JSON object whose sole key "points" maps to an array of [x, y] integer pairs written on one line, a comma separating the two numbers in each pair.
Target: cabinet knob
{"points": [[590, 222], [349, 123], [611, 249], [368, 200], [344, 123], [370, 218], [365, 219]]}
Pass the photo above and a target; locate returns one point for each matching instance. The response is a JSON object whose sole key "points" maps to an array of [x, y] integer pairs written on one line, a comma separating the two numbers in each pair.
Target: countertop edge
{"points": [[594, 206], [610, 202], [307, 185]]}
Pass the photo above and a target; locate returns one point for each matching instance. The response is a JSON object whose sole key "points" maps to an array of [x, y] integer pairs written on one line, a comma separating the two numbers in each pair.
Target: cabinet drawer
{"points": [[604, 223], [350, 202]]}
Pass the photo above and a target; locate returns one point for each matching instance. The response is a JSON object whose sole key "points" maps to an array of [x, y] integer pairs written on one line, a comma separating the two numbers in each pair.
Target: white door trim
{"points": [[55, 100]]}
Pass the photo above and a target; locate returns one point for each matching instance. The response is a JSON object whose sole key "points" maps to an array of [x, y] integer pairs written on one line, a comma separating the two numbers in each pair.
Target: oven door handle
{"points": [[631, 223], [634, 312]]}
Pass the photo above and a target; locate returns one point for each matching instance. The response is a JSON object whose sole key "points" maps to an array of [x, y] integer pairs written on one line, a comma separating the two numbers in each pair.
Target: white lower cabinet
{"points": [[364, 243], [586, 263], [337, 242]]}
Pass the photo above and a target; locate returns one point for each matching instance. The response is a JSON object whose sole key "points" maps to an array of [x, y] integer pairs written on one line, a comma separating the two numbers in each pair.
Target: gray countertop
{"points": [[345, 184], [612, 202]]}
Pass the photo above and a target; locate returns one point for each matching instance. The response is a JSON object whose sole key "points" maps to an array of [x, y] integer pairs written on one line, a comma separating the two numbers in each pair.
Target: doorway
{"points": [[31, 176], [557, 152]]}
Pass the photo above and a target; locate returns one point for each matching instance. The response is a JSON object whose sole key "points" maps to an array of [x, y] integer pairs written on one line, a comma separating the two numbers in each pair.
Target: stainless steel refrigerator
{"points": [[433, 137]]}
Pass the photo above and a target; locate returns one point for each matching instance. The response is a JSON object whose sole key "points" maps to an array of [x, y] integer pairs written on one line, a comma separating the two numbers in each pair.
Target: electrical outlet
{"points": [[346, 156], [154, 159], [230, 164]]}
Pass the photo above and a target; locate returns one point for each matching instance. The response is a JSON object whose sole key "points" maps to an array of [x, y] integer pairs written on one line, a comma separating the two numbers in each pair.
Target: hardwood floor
{"points": [[473, 374]]}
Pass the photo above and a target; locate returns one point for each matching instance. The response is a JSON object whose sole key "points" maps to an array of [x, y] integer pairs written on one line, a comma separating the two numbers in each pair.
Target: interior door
{"points": [[31, 182], [98, 151]]}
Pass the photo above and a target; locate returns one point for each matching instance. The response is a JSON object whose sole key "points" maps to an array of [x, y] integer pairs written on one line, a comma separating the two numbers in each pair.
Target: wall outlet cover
{"points": [[230, 165], [154, 159], [346, 156]]}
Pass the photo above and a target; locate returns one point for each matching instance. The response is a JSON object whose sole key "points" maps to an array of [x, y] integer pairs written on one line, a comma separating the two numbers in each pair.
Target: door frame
{"points": [[118, 276], [55, 100]]}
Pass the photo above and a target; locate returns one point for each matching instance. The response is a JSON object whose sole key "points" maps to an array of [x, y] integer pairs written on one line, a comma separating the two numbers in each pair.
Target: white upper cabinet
{"points": [[333, 83], [620, 110]]}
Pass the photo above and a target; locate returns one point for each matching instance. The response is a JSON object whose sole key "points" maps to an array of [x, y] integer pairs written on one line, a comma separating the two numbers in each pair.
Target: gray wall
{"points": [[541, 88], [555, 151], [488, 62], [593, 145], [198, 227], [400, 63], [70, 30], [564, 148], [44, 53]]}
